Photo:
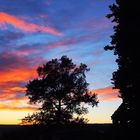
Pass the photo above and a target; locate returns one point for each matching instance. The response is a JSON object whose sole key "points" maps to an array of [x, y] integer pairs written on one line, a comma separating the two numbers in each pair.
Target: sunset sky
{"points": [[34, 31]]}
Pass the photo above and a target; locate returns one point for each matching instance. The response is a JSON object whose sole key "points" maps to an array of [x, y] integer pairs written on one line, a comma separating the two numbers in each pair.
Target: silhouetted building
{"points": [[119, 116], [124, 116]]}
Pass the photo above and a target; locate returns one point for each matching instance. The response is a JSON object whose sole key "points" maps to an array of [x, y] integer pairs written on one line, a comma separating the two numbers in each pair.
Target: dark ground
{"points": [[69, 132]]}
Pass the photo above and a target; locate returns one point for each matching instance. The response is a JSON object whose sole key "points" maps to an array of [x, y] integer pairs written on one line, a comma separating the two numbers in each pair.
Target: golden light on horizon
{"points": [[12, 117]]}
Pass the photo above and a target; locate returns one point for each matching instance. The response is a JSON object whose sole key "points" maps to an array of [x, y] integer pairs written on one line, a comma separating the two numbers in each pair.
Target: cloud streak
{"points": [[23, 25]]}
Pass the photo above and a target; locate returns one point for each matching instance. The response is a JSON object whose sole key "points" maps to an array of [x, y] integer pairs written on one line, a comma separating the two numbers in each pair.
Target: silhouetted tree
{"points": [[126, 14], [62, 91]]}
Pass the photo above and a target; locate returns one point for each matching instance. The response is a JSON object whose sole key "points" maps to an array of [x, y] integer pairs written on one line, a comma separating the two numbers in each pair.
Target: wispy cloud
{"points": [[23, 25]]}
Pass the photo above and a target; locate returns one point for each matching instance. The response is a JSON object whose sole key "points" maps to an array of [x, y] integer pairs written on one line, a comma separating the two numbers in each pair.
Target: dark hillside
{"points": [[67, 132], [90, 131]]}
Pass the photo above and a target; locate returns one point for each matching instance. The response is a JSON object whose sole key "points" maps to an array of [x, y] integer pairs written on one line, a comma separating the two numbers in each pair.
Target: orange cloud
{"points": [[14, 74], [23, 25], [107, 93], [12, 94], [21, 74]]}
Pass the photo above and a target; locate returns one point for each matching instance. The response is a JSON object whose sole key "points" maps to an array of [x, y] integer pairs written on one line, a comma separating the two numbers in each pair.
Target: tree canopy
{"points": [[62, 91], [125, 14]]}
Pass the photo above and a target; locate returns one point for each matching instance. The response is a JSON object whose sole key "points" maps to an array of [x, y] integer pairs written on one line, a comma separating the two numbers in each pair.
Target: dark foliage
{"points": [[125, 44], [62, 91]]}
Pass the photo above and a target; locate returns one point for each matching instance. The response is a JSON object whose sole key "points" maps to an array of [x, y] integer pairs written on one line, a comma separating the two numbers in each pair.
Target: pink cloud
{"points": [[23, 25], [107, 93]]}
